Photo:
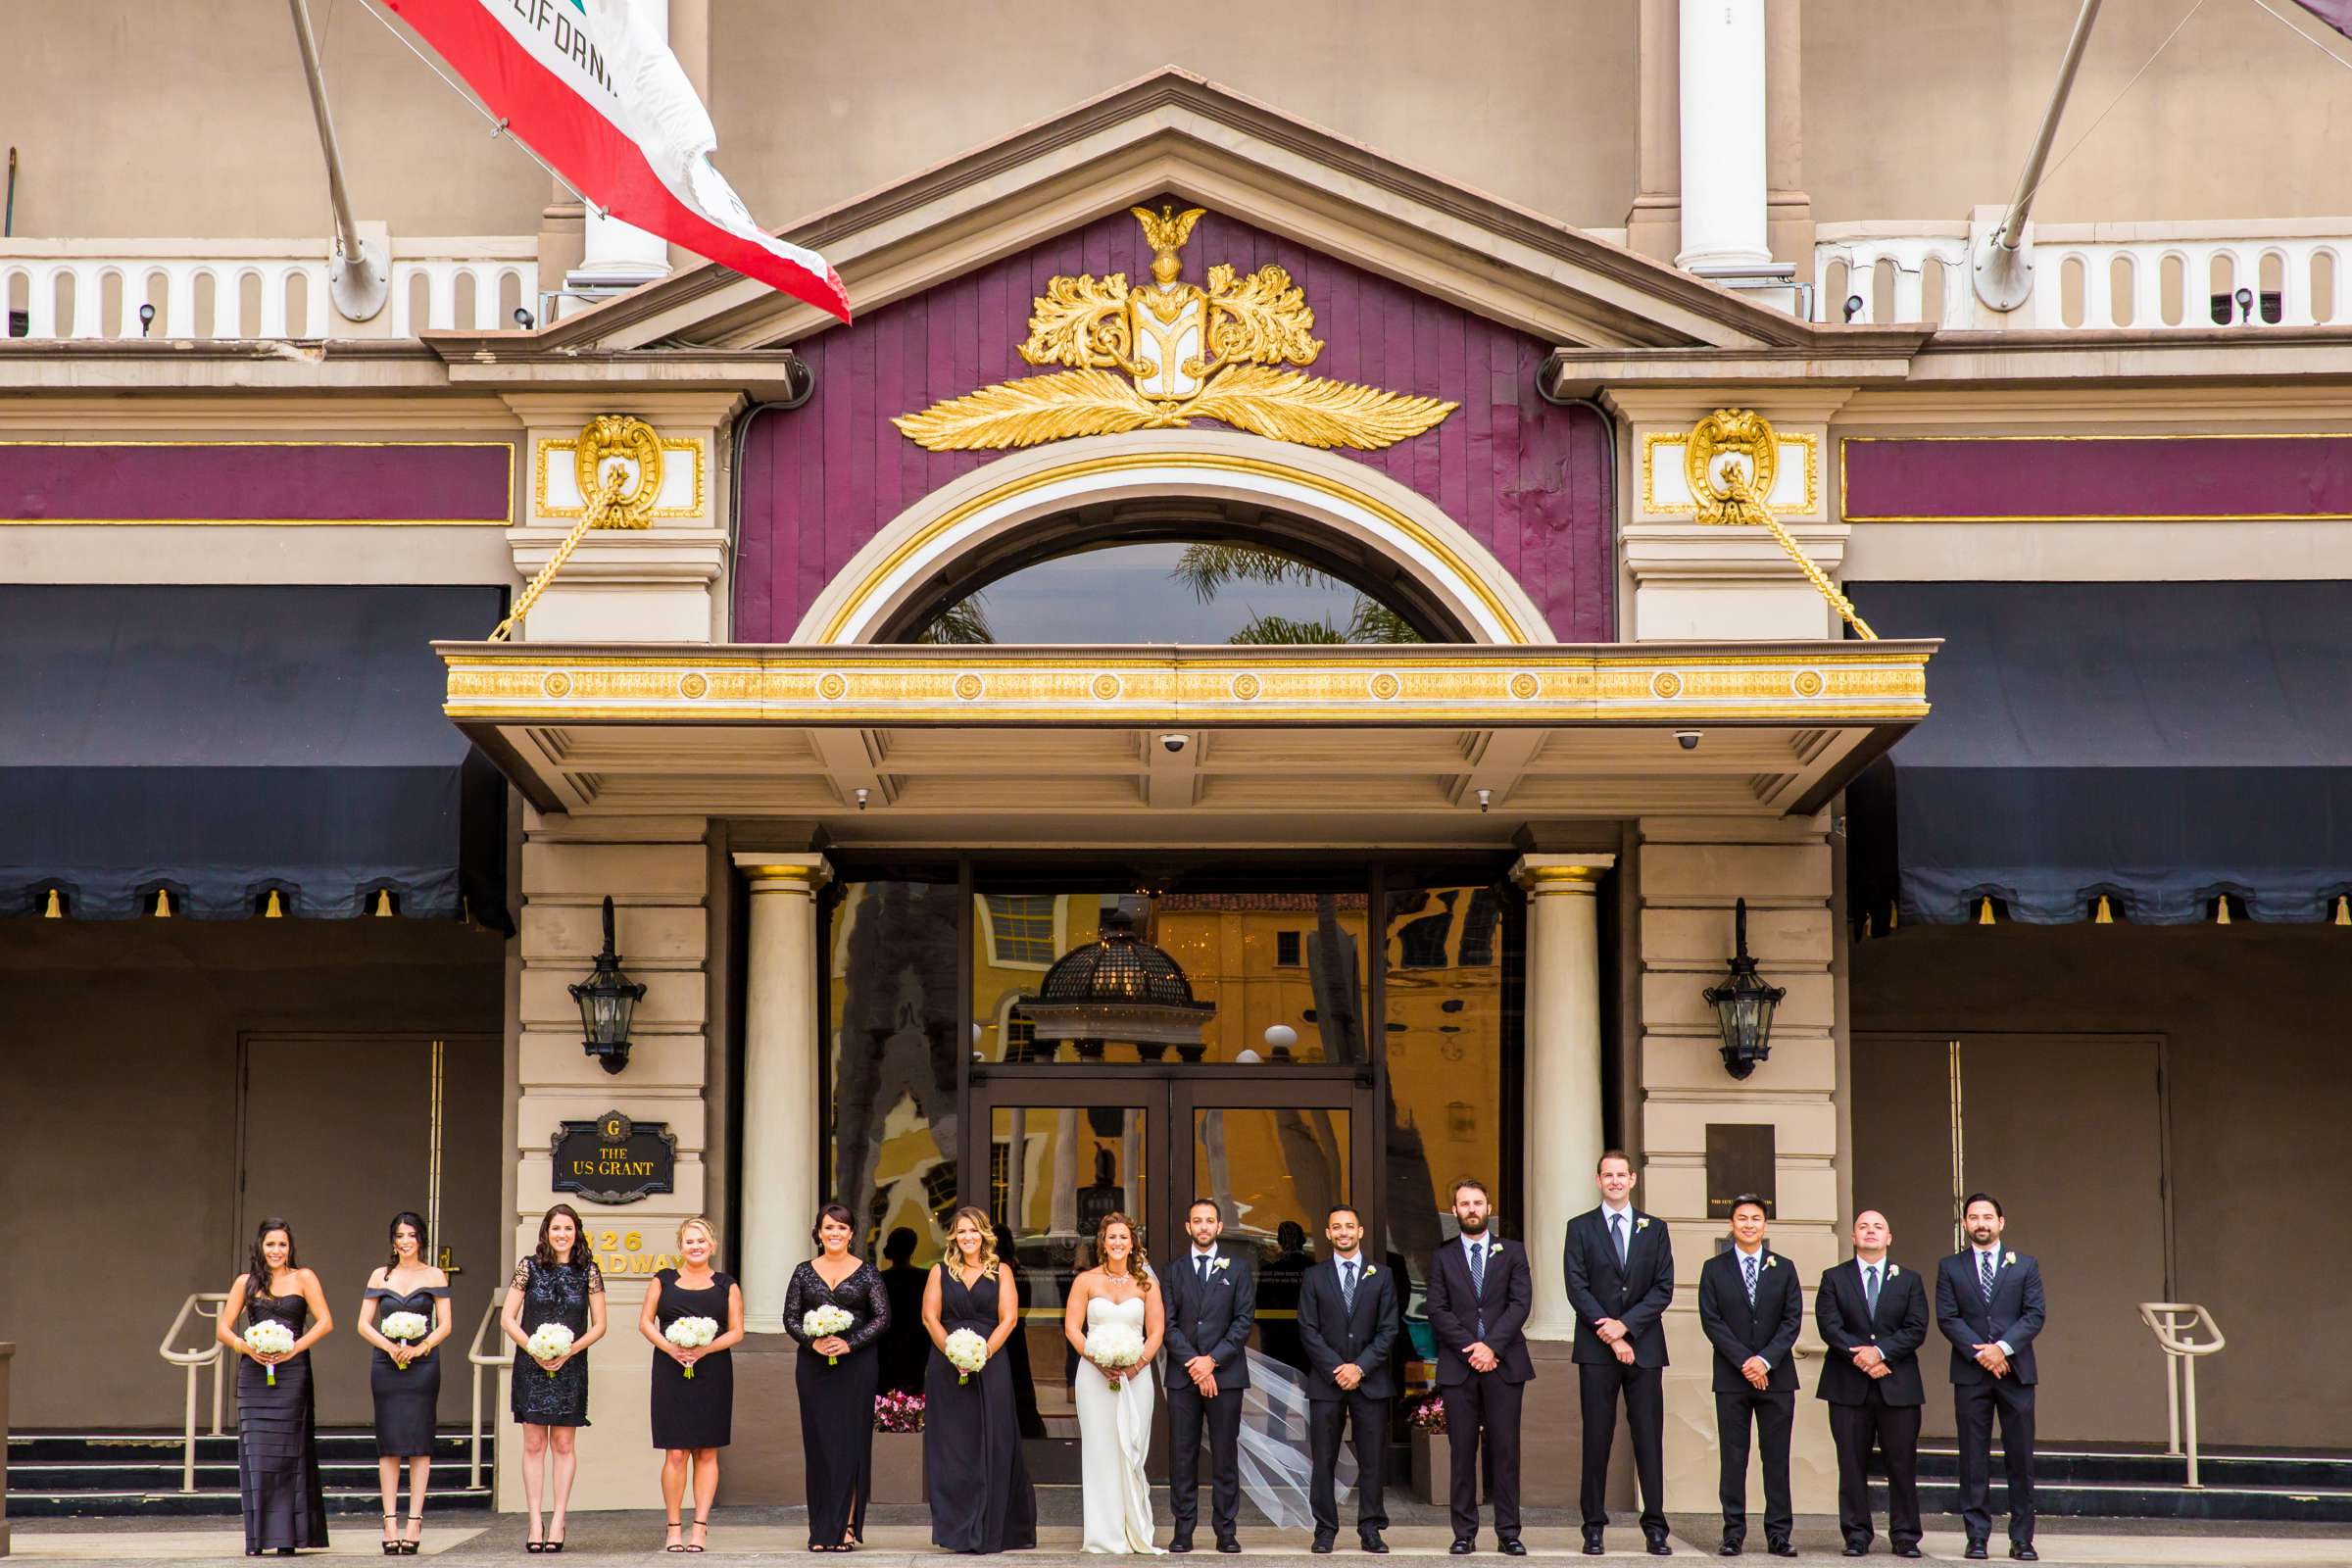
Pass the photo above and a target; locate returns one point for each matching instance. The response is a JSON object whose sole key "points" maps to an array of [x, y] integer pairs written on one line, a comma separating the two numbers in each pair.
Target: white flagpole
{"points": [[2004, 273], [359, 280]]}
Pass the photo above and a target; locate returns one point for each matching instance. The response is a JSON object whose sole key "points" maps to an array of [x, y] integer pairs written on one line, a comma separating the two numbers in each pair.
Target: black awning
{"points": [[2161, 744], [220, 743]]}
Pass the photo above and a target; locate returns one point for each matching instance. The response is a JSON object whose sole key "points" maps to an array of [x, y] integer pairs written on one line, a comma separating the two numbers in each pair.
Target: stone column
{"points": [[620, 256], [1790, 210], [1563, 1064], [781, 1110], [1723, 136], [1653, 225]]}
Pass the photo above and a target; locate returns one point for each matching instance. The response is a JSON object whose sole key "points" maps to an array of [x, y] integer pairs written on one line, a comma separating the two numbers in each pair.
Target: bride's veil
{"points": [[1274, 1459]]}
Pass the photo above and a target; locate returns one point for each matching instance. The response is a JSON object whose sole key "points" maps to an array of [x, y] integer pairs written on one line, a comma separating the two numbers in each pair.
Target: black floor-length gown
{"points": [[973, 1474], [406, 1404], [555, 1293], [277, 1440], [698, 1411], [837, 1401]]}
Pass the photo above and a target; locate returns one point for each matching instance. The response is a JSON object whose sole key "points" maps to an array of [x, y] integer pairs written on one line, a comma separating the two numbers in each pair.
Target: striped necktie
{"points": [[1478, 1282], [1749, 1264], [1984, 1275], [1348, 1285]]}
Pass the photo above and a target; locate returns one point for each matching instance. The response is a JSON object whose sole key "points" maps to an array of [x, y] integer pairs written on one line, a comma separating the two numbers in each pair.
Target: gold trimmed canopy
{"points": [[1042, 732]]}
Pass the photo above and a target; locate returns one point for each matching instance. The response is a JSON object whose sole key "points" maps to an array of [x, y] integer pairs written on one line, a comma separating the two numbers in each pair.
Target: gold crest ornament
{"points": [[622, 446], [1167, 353], [1730, 459]]}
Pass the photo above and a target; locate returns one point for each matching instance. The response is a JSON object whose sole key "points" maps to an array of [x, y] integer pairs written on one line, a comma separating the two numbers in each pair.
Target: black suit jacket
{"points": [[1455, 1309], [1738, 1331], [1212, 1319], [1841, 1309], [1334, 1337], [2013, 1318], [1637, 1294]]}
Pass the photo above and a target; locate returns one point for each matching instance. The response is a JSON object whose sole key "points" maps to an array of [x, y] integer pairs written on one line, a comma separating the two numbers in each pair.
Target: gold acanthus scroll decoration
{"points": [[1726, 490], [1167, 353]]}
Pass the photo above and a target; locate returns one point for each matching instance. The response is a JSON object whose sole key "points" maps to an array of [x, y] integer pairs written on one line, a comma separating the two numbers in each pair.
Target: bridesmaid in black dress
{"points": [[559, 1282], [973, 1476], [837, 1375], [694, 1390], [405, 1376], [278, 1427]]}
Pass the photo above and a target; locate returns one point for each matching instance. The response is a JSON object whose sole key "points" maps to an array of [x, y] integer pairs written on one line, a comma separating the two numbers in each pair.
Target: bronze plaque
{"points": [[1739, 1161]]}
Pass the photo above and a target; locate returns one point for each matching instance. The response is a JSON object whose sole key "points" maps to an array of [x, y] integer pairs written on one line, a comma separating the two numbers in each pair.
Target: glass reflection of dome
{"points": [[1120, 986]]}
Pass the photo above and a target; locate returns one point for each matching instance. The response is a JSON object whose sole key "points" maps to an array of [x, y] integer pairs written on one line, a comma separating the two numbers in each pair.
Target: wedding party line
{"points": [[1182, 1330]]}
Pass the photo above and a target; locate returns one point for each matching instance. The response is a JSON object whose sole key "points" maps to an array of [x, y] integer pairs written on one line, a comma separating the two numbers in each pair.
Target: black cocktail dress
{"points": [[277, 1440], [837, 1401], [973, 1474], [698, 1411], [552, 1293], [406, 1404]]}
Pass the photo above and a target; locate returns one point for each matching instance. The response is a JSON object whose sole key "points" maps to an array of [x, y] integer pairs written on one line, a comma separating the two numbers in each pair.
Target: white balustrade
{"points": [[248, 289], [205, 1305], [2094, 276]]}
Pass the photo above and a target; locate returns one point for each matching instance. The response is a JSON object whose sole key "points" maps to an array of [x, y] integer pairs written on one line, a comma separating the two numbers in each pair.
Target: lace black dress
{"points": [[973, 1475], [837, 1401], [277, 1440], [698, 1411], [406, 1404], [554, 1294]]}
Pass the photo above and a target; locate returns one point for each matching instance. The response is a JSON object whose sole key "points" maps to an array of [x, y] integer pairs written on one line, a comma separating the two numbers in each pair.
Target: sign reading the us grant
{"points": [[616, 1159]]}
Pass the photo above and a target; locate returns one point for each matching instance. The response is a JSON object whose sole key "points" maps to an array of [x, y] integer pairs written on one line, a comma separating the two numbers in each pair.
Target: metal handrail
{"points": [[473, 1399], [2176, 1325], [195, 1361]]}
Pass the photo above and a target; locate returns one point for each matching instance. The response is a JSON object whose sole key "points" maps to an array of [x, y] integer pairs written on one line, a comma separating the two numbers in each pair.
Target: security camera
{"points": [[1175, 742], [1687, 739]]}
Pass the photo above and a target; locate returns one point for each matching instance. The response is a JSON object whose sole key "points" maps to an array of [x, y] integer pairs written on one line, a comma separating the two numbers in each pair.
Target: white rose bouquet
{"points": [[825, 1323], [546, 1341], [691, 1333], [404, 1327], [1114, 1347], [269, 1337], [967, 1353]]}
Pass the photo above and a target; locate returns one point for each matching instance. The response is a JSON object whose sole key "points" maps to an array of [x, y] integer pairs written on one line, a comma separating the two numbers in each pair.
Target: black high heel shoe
{"points": [[408, 1544], [392, 1547]]}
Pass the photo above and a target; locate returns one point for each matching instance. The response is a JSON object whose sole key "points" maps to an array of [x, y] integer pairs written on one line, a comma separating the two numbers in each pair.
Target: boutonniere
{"points": [[1369, 1271], [1640, 1224], [1892, 1271], [1771, 1260], [1220, 1265], [1494, 1249], [2009, 1258]]}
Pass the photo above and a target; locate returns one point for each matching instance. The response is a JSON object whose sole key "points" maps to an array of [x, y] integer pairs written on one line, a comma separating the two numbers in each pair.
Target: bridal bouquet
{"points": [[823, 1323], [967, 1353], [270, 1338], [404, 1327], [546, 1341], [1114, 1347], [691, 1333]]}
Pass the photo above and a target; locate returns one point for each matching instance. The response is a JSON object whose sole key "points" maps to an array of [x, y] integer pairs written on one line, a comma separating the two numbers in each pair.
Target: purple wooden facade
{"points": [[2124, 478], [1529, 480], [258, 481]]}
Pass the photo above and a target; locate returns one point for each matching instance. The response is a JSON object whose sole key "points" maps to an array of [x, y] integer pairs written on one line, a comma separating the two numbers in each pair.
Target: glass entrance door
{"points": [[1064, 1147]]}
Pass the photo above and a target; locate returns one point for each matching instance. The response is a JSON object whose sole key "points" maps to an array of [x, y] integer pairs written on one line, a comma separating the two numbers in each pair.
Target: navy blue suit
{"points": [[1738, 1331], [1636, 1294], [1210, 1318], [1336, 1335], [1482, 1406], [2011, 1316], [1864, 1409]]}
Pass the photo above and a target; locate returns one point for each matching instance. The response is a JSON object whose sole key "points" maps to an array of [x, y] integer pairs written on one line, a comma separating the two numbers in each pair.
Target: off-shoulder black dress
{"points": [[407, 1403], [837, 1398]]}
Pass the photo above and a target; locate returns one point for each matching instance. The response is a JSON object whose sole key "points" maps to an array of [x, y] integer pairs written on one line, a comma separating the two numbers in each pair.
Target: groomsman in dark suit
{"points": [[1478, 1300], [1348, 1324], [1212, 1300], [1620, 1267], [1873, 1317], [1989, 1304], [1751, 1306]]}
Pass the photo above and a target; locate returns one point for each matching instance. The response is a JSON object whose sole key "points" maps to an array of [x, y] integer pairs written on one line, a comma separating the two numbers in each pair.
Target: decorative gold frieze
{"points": [[1184, 352]]}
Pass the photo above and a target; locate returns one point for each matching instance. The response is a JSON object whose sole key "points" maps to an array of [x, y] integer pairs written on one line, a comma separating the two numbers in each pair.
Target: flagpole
{"points": [[2004, 273], [359, 279]]}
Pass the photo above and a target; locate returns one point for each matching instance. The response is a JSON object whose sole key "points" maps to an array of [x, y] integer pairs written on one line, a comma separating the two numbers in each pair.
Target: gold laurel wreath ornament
{"points": [[1167, 353]]}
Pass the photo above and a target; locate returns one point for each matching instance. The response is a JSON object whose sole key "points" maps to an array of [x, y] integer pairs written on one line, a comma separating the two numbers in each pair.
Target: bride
{"points": [[1115, 1403]]}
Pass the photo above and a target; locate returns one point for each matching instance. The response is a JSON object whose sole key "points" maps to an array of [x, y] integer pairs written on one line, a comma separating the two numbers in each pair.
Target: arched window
{"points": [[1270, 584]]}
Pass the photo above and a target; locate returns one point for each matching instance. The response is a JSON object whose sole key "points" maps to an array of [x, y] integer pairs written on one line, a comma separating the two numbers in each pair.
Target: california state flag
{"points": [[589, 86]]}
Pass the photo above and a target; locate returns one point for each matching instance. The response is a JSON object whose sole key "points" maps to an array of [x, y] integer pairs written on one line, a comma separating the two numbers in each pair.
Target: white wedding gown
{"points": [[1115, 1435]]}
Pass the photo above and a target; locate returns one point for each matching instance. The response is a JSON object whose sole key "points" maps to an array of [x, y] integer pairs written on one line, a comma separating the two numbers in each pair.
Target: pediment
{"points": [[1175, 134]]}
